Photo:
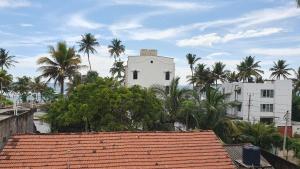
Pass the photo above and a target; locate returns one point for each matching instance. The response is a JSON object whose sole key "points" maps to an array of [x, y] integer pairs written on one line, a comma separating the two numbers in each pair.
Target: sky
{"points": [[215, 30]]}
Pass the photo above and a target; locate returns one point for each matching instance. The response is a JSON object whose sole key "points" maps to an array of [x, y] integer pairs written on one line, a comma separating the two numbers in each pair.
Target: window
{"points": [[266, 108], [267, 120], [239, 107], [167, 76], [135, 74], [267, 93]]}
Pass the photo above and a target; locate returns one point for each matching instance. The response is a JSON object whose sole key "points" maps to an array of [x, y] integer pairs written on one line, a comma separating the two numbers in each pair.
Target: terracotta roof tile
{"points": [[118, 150]]}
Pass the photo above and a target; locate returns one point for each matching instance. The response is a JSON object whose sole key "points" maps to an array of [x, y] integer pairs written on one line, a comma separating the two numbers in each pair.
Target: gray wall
{"points": [[22, 123]]}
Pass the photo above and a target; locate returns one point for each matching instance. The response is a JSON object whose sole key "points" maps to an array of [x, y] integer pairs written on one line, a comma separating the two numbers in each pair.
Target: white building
{"points": [[149, 69], [264, 102]]}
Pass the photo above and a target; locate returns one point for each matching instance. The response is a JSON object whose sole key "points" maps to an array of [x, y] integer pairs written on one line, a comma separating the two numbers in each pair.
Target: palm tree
{"points": [[259, 134], [218, 72], [6, 60], [202, 76], [87, 45], [22, 86], [296, 80], [192, 59], [38, 87], [116, 48], [232, 77], [119, 69], [62, 64], [5, 80], [280, 69], [249, 68], [172, 97], [211, 115]]}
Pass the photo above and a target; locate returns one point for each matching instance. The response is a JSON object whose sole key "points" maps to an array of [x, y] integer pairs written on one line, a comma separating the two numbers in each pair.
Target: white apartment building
{"points": [[264, 102], [149, 69]]}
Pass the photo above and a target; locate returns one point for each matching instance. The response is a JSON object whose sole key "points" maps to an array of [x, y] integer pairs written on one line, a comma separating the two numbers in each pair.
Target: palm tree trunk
{"points": [[62, 87], [192, 77], [88, 54]]}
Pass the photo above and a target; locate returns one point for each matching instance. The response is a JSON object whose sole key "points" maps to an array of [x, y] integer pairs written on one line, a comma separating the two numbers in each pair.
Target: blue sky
{"points": [[215, 30]]}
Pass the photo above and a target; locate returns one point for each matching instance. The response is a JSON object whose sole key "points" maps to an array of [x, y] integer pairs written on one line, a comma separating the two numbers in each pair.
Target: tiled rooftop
{"points": [[116, 150]]}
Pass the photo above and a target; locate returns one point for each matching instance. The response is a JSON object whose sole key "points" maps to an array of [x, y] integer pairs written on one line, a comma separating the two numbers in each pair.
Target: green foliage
{"points": [[116, 48], [5, 81], [295, 107], [87, 45], [106, 106], [259, 134], [280, 69], [22, 86], [249, 68], [4, 101], [6, 60], [62, 64]]}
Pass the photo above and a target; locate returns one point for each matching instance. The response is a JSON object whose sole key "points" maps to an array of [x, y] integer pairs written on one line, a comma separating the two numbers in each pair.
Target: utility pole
{"points": [[249, 106], [285, 133]]}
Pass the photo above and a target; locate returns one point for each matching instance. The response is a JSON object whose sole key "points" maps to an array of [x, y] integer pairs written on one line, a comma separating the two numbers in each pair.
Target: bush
{"points": [[5, 102]]}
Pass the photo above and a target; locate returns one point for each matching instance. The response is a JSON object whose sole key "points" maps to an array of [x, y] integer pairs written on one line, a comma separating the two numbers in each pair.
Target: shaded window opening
{"points": [[167, 76], [135, 74]]}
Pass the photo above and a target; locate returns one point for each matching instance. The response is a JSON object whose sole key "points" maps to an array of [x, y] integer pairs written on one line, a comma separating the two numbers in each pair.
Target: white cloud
{"points": [[281, 52], [175, 5], [213, 38], [26, 25], [14, 3], [270, 15], [153, 34], [78, 20], [201, 40], [210, 56], [251, 34]]}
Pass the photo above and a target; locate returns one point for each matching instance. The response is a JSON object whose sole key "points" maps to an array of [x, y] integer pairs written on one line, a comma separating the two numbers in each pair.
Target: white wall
{"points": [[282, 100], [149, 73]]}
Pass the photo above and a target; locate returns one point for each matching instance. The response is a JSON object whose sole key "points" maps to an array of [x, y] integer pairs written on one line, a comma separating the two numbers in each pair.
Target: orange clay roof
{"points": [[118, 150]]}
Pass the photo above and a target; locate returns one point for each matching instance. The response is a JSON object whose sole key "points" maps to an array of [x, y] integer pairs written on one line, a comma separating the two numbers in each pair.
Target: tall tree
{"points": [[296, 80], [219, 72], [87, 45], [62, 64], [38, 87], [118, 69], [232, 77], [249, 68], [280, 69], [22, 87], [116, 48], [172, 97], [6, 60], [5, 80], [192, 59], [202, 76]]}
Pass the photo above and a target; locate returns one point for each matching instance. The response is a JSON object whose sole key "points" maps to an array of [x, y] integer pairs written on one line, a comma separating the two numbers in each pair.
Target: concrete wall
{"points": [[22, 123], [282, 100], [151, 70]]}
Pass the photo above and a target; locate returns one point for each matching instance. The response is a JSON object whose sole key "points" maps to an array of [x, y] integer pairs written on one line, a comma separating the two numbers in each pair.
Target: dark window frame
{"points": [[135, 75], [167, 75]]}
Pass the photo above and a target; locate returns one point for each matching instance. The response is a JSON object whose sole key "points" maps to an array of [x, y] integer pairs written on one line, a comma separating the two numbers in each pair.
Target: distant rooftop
{"points": [[116, 150], [148, 52]]}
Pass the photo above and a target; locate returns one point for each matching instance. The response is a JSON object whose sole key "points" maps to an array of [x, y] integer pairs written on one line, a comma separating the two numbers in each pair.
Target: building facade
{"points": [[149, 69], [260, 102]]}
